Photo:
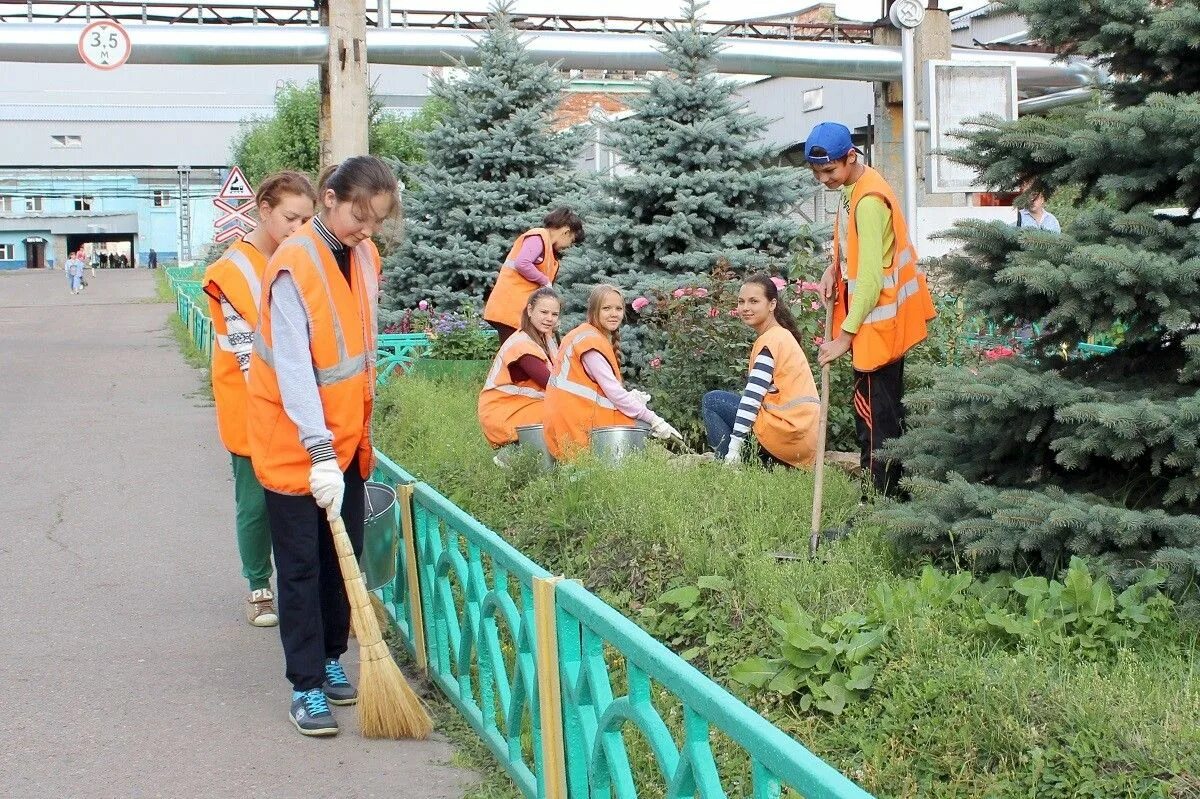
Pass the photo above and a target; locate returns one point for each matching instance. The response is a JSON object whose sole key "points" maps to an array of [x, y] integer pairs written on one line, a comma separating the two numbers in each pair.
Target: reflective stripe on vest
{"points": [[244, 266], [561, 382], [787, 406], [346, 367], [889, 310], [889, 276]]}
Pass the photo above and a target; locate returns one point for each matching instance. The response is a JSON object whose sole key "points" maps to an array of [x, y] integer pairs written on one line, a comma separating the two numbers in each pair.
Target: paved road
{"points": [[126, 665]]}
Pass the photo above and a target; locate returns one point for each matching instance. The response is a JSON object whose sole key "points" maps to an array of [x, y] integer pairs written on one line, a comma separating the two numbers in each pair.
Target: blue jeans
{"points": [[719, 411]]}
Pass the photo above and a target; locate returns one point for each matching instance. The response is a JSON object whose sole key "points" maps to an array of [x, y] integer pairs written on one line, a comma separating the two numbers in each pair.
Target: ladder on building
{"points": [[185, 213]]}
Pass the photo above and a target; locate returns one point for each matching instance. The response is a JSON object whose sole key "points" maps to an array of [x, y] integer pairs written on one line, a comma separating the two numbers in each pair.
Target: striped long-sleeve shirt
{"points": [[762, 376], [239, 336]]}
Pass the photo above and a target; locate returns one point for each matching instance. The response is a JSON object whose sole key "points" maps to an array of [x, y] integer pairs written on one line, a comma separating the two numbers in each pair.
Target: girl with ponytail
{"points": [[780, 402]]}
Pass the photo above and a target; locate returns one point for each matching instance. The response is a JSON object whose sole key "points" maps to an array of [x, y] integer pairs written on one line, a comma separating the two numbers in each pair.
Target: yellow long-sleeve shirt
{"points": [[876, 247]]}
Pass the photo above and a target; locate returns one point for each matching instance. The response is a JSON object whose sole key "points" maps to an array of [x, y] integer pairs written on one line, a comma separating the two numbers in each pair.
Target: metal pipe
{"points": [[1046, 102], [231, 44], [384, 14], [908, 48]]}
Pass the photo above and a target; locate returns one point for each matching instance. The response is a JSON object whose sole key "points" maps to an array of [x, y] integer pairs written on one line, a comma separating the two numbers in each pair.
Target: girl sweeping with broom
{"points": [[312, 387]]}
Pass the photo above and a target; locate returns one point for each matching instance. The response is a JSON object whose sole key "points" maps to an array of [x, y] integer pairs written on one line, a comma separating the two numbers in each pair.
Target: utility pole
{"points": [[343, 80]]}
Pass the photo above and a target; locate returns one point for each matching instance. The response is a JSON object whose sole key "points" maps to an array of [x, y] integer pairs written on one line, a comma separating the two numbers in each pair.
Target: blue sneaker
{"points": [[337, 685], [311, 713]]}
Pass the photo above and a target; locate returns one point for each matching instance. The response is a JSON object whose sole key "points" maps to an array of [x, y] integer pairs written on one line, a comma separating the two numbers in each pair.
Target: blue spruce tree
{"points": [[494, 166], [695, 185], [1025, 463]]}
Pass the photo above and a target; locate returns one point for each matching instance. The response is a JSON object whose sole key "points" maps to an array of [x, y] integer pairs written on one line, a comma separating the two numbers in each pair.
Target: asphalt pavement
{"points": [[127, 667]]}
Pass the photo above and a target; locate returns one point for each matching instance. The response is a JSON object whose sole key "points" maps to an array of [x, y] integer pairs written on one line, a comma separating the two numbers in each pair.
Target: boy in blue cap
{"points": [[881, 301]]}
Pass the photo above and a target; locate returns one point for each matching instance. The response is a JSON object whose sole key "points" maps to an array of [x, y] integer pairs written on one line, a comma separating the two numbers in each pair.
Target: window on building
{"points": [[162, 198], [66, 141], [7, 253], [33, 205], [83, 203], [5, 204], [813, 99]]}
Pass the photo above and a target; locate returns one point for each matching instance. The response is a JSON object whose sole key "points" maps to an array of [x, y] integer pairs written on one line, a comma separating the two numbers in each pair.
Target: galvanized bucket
{"points": [[614, 443], [381, 536], [533, 437]]}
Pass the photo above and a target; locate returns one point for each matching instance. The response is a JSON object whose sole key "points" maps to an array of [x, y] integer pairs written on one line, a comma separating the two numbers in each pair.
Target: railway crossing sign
{"points": [[234, 201], [104, 44]]}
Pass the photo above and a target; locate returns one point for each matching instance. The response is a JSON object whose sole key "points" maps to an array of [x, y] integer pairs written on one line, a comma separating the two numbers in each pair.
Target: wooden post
{"points": [[554, 769], [343, 80]]}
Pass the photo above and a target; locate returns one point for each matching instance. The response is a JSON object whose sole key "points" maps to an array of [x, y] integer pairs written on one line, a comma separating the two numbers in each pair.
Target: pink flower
{"points": [[701, 292], [816, 306], [423, 305], [679, 293], [655, 363], [713, 313], [818, 340], [808, 285], [733, 312], [640, 303], [779, 282]]}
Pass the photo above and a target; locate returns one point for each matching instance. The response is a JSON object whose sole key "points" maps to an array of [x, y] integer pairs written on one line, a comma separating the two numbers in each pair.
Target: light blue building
{"points": [[44, 216], [93, 159]]}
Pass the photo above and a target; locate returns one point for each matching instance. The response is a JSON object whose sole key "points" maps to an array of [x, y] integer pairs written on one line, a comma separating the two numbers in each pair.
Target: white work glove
{"points": [[734, 454], [660, 429], [644, 396], [328, 487]]}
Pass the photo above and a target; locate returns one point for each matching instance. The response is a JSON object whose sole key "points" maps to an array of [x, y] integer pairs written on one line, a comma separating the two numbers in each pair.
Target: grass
{"points": [[192, 354], [951, 714], [162, 288]]}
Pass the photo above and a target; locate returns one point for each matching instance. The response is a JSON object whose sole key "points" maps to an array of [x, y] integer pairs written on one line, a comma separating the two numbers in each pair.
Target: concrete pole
{"points": [[343, 79], [908, 48]]}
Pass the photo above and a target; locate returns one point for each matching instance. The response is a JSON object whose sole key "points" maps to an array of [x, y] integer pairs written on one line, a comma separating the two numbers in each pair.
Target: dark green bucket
{"points": [[381, 536]]}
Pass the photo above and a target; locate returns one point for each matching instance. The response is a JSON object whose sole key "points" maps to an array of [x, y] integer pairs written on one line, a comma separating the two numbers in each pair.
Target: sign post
{"points": [[907, 15], [235, 201], [104, 44]]}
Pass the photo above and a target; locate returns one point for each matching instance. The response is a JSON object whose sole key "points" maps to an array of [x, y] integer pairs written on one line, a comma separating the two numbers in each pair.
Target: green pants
{"points": [[253, 529]]}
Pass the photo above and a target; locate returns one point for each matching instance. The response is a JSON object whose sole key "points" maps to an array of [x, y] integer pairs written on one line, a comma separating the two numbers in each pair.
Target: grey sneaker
{"points": [[311, 714], [337, 687]]}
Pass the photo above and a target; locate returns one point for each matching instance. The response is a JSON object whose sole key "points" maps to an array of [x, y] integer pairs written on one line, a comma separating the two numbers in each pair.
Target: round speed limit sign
{"points": [[104, 45]]}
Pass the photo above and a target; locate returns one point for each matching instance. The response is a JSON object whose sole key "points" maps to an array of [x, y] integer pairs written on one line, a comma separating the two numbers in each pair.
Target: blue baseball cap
{"points": [[833, 137]]}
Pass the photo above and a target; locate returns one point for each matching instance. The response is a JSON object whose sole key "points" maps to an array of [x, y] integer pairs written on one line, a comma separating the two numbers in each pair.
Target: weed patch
{"points": [[941, 707]]}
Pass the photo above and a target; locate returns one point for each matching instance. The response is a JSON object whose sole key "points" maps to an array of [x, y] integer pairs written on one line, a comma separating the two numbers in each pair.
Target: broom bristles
{"points": [[387, 705]]}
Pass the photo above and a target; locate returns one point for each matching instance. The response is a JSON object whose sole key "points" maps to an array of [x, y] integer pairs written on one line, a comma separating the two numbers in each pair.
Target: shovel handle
{"points": [[822, 429]]}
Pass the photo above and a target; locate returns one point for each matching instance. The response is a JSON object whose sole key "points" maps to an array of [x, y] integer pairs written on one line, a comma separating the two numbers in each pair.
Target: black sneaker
{"points": [[311, 713], [337, 685]]}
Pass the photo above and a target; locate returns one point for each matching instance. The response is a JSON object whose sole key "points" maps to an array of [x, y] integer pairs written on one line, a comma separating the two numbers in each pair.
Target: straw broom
{"points": [[387, 705]]}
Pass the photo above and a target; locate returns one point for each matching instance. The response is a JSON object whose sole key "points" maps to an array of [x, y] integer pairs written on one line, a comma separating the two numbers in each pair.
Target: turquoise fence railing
{"points": [[477, 598], [397, 351], [597, 648], [397, 595]]}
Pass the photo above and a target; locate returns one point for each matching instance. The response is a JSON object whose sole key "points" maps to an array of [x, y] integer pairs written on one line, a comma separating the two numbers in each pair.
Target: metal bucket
{"points": [[533, 437], [381, 536], [614, 443]]}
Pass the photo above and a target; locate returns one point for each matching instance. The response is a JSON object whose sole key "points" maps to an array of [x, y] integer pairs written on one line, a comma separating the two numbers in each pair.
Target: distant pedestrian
{"points": [[75, 268], [1036, 216], [153, 259]]}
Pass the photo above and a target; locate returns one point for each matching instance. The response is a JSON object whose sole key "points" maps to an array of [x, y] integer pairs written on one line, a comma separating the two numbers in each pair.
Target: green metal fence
{"points": [[574, 700]]}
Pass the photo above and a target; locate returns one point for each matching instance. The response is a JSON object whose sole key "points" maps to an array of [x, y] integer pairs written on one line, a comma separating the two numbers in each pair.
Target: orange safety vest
{"points": [[574, 404], [505, 404], [897, 324], [342, 323], [787, 421], [511, 292], [236, 275]]}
